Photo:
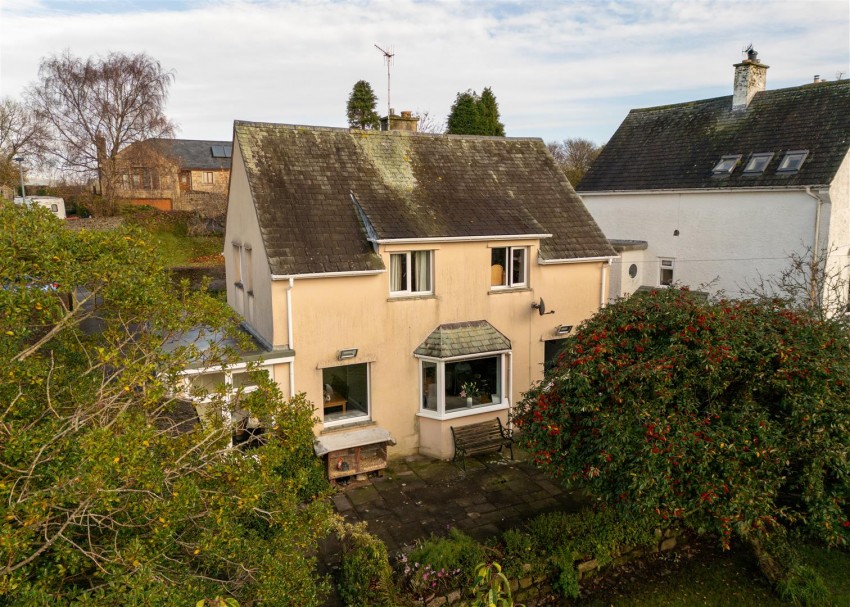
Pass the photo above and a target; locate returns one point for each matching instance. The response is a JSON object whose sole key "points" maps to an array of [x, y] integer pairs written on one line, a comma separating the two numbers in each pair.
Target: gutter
{"points": [[291, 277], [606, 259], [461, 238], [777, 188]]}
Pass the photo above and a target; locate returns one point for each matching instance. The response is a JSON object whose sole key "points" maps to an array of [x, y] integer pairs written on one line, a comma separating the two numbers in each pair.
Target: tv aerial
{"points": [[388, 59]]}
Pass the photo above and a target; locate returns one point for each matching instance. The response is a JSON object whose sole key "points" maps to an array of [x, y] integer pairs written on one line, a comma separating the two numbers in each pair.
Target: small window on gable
{"points": [[792, 161], [757, 163], [726, 165]]}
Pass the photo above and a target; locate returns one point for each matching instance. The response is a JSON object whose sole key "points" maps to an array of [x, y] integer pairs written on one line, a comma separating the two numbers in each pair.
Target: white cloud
{"points": [[558, 69]]}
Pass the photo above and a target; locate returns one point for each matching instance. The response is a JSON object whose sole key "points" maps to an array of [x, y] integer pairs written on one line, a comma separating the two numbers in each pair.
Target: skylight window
{"points": [[792, 161], [726, 165], [757, 163], [222, 151]]}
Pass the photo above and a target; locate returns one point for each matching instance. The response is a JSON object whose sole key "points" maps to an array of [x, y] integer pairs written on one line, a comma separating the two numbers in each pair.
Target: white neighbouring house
{"points": [[716, 193]]}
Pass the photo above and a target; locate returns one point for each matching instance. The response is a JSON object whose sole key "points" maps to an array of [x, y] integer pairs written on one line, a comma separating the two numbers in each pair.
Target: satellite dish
{"points": [[541, 307]]}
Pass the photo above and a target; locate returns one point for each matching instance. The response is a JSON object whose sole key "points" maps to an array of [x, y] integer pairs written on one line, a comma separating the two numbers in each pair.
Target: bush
{"points": [[727, 417], [365, 573]]}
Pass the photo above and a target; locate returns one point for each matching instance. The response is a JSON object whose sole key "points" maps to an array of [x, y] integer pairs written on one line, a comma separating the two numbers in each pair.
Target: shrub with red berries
{"points": [[731, 417]]}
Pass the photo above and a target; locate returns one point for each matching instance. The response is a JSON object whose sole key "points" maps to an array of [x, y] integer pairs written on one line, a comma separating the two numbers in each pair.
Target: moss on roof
{"points": [[677, 146], [304, 181]]}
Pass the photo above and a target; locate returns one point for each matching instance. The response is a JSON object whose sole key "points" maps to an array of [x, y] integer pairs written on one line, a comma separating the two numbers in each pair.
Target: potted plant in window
{"points": [[468, 390]]}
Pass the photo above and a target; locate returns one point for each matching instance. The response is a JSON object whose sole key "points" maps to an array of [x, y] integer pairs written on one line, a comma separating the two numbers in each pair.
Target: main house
{"points": [[718, 194], [175, 174], [417, 281]]}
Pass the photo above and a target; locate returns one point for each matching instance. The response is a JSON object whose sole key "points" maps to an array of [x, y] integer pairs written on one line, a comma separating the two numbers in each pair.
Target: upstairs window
{"points": [[208, 177], [508, 267], [757, 164], [726, 165], [792, 161], [410, 273], [665, 278]]}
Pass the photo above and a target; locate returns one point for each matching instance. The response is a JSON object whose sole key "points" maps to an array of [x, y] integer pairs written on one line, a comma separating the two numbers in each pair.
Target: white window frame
{"points": [[350, 420], [209, 178], [228, 372], [666, 263], [441, 413], [407, 289], [509, 270]]}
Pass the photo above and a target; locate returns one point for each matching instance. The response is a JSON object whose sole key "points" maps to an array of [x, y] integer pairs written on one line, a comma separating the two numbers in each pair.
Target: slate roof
{"points": [[462, 339], [677, 146], [191, 153], [304, 181]]}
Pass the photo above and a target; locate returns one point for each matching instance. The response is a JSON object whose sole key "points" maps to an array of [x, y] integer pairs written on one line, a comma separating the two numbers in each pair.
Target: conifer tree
{"points": [[489, 111], [474, 114], [361, 107]]}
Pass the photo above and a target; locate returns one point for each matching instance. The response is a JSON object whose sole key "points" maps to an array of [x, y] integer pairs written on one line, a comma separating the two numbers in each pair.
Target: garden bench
{"points": [[480, 438]]}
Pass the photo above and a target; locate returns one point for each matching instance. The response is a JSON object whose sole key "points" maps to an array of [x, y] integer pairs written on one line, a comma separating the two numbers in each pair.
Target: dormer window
{"points": [[757, 163], [726, 165], [792, 161]]}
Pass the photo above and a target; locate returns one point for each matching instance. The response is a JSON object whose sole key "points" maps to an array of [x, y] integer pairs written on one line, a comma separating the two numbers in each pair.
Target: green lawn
{"points": [[183, 250], [718, 579]]}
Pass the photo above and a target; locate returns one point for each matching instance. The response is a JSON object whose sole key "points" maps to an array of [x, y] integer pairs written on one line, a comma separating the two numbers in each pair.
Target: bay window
{"points": [[462, 387], [410, 273]]}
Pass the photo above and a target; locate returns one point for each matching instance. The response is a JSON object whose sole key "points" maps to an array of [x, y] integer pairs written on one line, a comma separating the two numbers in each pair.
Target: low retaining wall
{"points": [[537, 591]]}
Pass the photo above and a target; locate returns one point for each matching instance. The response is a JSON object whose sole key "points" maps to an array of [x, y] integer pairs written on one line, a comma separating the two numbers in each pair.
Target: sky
{"points": [[559, 69]]}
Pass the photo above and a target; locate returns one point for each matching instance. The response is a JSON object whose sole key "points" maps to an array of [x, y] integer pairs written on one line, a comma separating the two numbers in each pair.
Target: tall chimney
{"points": [[750, 78]]}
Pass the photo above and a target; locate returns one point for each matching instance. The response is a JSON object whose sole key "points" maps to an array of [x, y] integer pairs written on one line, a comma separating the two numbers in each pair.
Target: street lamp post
{"points": [[20, 161]]}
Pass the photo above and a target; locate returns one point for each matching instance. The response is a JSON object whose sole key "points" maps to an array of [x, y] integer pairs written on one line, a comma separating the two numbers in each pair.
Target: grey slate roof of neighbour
{"points": [[677, 146], [304, 181], [192, 153], [462, 339]]}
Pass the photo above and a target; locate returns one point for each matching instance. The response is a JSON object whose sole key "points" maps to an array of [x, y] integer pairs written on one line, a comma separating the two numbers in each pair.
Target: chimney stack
{"points": [[750, 78], [406, 122]]}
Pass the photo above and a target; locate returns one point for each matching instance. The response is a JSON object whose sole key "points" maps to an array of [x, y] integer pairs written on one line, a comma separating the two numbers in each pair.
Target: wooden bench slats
{"points": [[480, 437]]}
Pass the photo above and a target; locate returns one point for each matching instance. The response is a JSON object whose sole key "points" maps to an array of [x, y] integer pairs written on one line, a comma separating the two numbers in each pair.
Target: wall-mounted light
{"points": [[563, 329], [347, 353]]}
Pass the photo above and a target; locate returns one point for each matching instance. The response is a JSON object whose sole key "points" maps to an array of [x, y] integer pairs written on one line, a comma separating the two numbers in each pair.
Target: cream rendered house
{"points": [[418, 281]]}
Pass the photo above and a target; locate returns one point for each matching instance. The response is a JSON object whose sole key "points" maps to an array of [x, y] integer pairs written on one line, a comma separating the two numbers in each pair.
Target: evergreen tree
{"points": [[361, 107], [474, 114], [489, 112], [464, 118]]}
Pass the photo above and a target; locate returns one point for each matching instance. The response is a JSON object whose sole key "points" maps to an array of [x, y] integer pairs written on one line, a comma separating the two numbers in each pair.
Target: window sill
{"points": [[458, 413], [500, 290], [410, 297], [328, 426]]}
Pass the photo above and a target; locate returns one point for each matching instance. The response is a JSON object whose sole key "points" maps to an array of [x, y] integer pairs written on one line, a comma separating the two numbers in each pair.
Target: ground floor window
{"points": [[462, 385], [551, 349], [345, 392]]}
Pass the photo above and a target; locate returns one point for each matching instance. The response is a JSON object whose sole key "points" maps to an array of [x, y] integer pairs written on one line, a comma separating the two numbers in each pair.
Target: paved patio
{"points": [[418, 497]]}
